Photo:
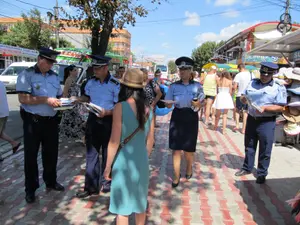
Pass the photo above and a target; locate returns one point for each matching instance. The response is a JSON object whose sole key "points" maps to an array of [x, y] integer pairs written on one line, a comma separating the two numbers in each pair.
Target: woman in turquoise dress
{"points": [[130, 165]]}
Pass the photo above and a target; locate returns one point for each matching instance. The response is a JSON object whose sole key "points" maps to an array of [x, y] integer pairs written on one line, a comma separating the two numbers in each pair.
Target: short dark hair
{"points": [[121, 67], [241, 66]]}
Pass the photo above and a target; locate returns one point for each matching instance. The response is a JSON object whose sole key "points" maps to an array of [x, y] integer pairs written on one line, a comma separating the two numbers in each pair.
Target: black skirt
{"points": [[183, 131]]}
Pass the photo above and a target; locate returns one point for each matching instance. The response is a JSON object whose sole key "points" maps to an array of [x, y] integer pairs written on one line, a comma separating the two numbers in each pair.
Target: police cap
{"points": [[184, 62], [48, 54], [268, 68], [98, 60]]}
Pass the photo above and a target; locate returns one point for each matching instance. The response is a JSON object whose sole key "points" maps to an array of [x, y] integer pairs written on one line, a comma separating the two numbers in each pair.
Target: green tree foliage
{"points": [[172, 67], [204, 53], [63, 43], [101, 16], [31, 33]]}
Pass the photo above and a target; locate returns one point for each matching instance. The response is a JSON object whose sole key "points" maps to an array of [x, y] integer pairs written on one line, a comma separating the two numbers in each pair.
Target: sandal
{"points": [[16, 148]]}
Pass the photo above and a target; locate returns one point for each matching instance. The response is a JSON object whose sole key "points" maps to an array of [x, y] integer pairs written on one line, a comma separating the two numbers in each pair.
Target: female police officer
{"points": [[39, 88], [103, 91], [266, 98], [184, 121]]}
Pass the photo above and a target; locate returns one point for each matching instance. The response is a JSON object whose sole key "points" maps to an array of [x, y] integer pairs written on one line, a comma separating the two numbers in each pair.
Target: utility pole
{"points": [[56, 16], [286, 17]]}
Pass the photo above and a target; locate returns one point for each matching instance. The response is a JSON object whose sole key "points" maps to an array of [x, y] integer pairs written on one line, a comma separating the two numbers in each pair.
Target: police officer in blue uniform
{"points": [[101, 90], [39, 89], [183, 132], [266, 99]]}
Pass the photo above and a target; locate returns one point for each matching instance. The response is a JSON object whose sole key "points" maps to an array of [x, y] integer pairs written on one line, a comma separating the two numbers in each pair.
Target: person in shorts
{"points": [[4, 112]]}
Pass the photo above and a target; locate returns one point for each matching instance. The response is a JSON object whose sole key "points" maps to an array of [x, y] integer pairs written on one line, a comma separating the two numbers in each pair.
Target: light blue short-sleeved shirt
{"points": [[183, 94], [103, 94], [33, 82], [262, 94]]}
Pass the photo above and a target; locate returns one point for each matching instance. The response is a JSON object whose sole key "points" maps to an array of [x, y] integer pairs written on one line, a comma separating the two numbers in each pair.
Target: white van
{"points": [[10, 74]]}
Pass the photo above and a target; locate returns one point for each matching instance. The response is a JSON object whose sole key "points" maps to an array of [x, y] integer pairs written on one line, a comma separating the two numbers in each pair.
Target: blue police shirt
{"points": [[103, 94], [183, 94], [32, 81], [261, 94]]}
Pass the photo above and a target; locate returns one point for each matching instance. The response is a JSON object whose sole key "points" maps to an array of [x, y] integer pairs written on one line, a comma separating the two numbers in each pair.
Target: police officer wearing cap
{"points": [[39, 88], [266, 98], [101, 90], [183, 131]]}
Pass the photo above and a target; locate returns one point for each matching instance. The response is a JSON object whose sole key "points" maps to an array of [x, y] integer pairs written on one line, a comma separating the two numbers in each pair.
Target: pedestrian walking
{"points": [[183, 133], [101, 90], [210, 91], [133, 121], [4, 113], [241, 81], [266, 99], [223, 100], [39, 89]]}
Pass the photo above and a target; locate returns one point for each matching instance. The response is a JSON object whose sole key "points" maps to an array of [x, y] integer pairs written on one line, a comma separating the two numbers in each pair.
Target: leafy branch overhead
{"points": [[101, 16]]}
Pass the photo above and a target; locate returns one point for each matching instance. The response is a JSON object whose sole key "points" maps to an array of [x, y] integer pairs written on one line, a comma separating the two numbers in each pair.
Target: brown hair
{"points": [[226, 75], [241, 66]]}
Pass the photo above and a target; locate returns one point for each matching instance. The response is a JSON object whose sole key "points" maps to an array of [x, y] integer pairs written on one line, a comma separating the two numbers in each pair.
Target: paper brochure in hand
{"points": [[254, 105], [93, 108], [66, 104]]}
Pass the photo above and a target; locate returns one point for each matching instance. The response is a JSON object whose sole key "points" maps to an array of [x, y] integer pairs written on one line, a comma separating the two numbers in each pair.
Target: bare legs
{"points": [[7, 138], [189, 157], [208, 110], [176, 165], [218, 115], [140, 219], [237, 120]]}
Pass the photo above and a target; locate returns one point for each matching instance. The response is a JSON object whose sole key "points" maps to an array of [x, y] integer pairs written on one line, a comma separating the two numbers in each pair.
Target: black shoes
{"points": [[261, 180], [85, 194], [174, 185], [242, 173], [56, 187], [30, 198], [189, 176]]}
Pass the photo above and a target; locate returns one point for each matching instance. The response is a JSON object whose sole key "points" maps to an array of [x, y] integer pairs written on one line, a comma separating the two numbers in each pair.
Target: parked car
{"points": [[10, 74]]}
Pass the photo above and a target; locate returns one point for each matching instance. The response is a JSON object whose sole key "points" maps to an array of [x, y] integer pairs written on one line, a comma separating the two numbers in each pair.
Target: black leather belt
{"points": [[264, 118], [36, 117]]}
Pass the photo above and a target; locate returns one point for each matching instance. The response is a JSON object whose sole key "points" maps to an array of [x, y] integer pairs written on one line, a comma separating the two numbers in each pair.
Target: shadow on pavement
{"points": [[267, 202]]}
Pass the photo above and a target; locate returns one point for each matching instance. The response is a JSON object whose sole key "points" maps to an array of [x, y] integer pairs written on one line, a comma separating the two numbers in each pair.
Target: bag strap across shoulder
{"points": [[126, 140]]}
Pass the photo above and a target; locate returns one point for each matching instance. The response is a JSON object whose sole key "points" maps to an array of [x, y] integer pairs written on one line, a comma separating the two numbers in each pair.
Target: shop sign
{"points": [[296, 56], [17, 51], [259, 59]]}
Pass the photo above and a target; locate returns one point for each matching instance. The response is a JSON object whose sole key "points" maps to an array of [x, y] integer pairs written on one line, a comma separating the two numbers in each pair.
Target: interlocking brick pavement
{"points": [[214, 196]]}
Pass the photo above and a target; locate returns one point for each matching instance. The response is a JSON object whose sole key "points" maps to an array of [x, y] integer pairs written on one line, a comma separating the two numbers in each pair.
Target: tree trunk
{"points": [[106, 31], [95, 40]]}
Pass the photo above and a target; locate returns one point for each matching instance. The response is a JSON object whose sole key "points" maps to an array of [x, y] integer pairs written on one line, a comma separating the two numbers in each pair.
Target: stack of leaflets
{"points": [[66, 103], [252, 104], [93, 108]]}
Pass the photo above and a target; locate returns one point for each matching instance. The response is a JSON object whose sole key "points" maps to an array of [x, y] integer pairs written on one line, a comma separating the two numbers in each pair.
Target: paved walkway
{"points": [[213, 196]]}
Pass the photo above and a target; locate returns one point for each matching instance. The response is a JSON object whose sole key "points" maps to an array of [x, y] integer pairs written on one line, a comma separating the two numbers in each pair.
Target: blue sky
{"points": [[177, 27]]}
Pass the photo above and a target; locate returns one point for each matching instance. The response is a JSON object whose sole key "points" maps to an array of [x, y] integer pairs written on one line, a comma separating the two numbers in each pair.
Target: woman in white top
{"points": [[223, 100]]}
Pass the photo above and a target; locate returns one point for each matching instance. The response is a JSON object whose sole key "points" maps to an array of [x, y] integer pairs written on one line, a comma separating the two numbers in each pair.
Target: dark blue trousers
{"points": [[39, 131], [259, 130], [98, 132]]}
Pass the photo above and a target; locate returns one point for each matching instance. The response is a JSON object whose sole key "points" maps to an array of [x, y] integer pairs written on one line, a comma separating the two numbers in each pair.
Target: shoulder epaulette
{"points": [[114, 81]]}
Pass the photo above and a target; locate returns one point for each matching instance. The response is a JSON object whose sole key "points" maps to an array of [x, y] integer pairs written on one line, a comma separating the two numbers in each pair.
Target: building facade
{"points": [[120, 39], [235, 49]]}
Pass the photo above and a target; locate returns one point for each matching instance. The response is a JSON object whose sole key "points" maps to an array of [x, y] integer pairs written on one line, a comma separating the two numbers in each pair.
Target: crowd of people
{"points": [[123, 131]]}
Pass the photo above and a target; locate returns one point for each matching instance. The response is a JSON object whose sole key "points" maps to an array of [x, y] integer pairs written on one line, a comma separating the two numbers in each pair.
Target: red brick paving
{"points": [[214, 196]]}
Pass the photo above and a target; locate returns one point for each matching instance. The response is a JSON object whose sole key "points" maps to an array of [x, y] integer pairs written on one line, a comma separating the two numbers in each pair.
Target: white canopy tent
{"points": [[283, 46]]}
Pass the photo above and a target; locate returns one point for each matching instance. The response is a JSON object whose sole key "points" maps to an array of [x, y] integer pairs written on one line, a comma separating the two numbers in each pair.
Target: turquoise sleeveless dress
{"points": [[130, 172]]}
